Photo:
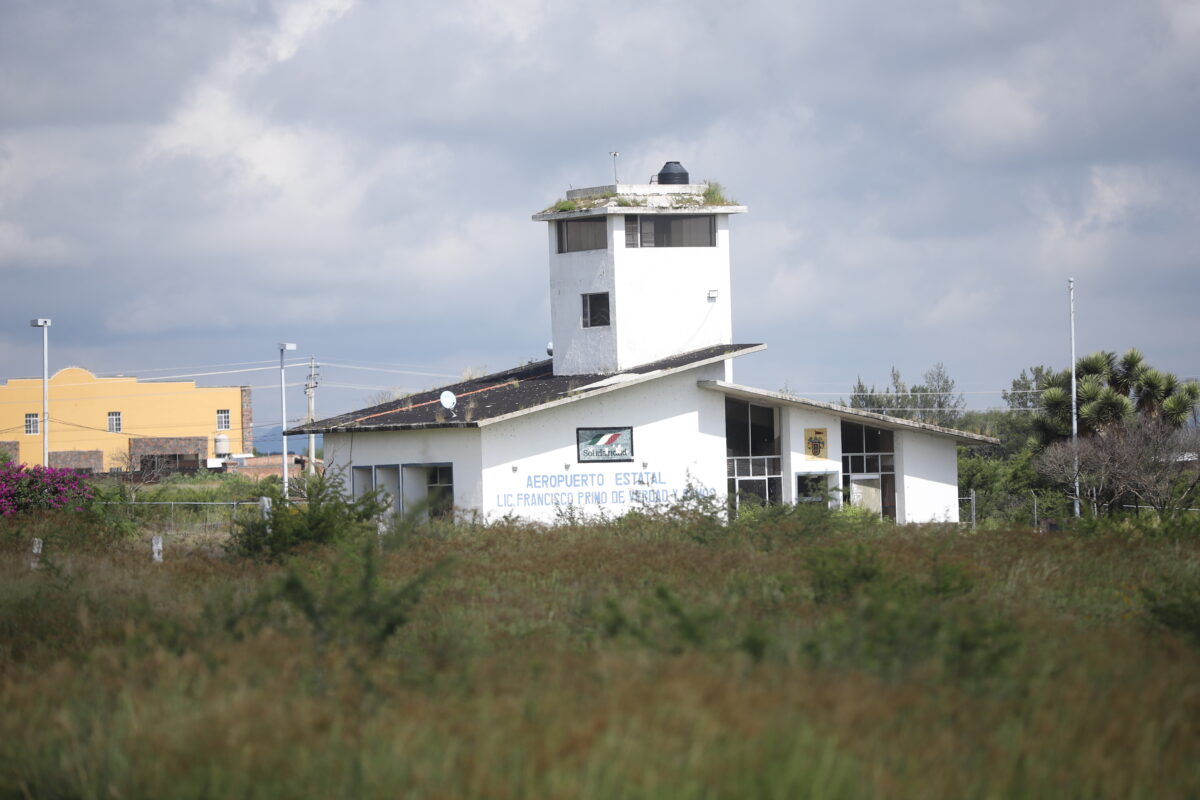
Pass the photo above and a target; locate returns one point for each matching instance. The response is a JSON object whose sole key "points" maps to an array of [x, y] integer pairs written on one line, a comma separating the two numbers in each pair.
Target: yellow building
{"points": [[104, 424]]}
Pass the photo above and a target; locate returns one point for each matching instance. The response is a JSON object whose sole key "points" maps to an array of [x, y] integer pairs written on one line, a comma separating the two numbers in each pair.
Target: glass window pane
{"points": [[632, 238], [737, 427], [752, 490], [887, 442], [887, 485], [763, 441], [582, 234], [845, 463], [871, 439], [852, 437], [647, 225], [857, 464], [872, 464], [775, 490], [887, 463]]}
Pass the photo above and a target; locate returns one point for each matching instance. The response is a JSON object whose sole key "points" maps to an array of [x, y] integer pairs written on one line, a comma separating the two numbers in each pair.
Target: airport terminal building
{"points": [[637, 402]]}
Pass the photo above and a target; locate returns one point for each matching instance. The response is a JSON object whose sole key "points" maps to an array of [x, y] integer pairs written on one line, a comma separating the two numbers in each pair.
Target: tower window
{"points": [[595, 310], [222, 419], [674, 230], [582, 234], [114, 422], [31, 424]]}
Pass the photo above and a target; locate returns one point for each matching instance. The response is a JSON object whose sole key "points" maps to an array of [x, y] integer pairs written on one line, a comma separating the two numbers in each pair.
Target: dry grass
{"points": [[624, 660]]}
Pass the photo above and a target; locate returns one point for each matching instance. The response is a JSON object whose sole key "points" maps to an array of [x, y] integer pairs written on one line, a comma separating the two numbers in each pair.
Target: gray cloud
{"points": [[188, 183]]}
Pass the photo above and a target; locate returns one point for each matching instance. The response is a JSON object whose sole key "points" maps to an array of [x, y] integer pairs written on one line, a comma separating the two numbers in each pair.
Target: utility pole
{"points": [[310, 390], [1074, 401], [44, 324], [283, 348]]}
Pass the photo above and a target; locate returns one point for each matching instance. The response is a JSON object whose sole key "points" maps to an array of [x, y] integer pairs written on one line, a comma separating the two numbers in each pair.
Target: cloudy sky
{"points": [[184, 184]]}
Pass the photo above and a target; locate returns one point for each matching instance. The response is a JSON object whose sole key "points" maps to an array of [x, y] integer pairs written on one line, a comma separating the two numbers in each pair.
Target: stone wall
{"points": [[13, 449], [165, 446], [89, 460], [247, 422]]}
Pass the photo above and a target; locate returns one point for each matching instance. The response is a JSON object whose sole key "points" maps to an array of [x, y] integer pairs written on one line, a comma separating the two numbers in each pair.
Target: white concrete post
{"points": [[156, 549], [36, 556]]}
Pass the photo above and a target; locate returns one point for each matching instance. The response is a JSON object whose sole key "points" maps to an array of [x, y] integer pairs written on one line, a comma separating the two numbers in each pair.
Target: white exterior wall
{"points": [[926, 478], [579, 350], [795, 454], [658, 300], [678, 438], [384, 451], [661, 303]]}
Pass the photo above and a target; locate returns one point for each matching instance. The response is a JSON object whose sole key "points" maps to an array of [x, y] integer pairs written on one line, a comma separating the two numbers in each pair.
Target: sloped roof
{"points": [[845, 412], [501, 395]]}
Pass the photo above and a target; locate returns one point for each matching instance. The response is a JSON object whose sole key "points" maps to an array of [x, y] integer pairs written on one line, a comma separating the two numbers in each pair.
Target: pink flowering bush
{"points": [[34, 488]]}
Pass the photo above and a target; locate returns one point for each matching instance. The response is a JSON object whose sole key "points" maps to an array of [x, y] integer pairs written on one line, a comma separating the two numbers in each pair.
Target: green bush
{"points": [[837, 572], [1175, 605], [328, 515]]}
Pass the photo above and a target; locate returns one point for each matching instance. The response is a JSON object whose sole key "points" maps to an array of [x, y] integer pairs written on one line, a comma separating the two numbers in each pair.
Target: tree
{"points": [[1111, 392], [1144, 461], [933, 401]]}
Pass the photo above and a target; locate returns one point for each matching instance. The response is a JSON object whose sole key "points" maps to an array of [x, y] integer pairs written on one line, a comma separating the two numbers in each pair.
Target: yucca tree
{"points": [[1112, 391]]}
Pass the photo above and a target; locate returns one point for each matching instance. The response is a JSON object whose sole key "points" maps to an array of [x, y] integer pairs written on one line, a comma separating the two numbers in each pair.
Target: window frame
{"points": [[636, 235], [586, 241], [587, 313], [114, 416], [34, 422], [228, 419]]}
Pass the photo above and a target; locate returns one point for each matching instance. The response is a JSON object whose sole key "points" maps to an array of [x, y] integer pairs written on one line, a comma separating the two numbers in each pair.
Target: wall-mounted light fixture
{"points": [[712, 295]]}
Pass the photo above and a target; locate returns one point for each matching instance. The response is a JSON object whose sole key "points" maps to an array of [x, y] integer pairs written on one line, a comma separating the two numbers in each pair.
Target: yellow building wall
{"points": [[79, 406]]}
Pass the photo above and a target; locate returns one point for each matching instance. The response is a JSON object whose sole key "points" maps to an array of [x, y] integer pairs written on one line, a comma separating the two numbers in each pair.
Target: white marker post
{"points": [[156, 549], [36, 557]]}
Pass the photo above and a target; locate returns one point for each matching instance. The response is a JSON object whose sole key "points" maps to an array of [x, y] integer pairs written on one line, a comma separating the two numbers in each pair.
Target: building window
{"points": [[753, 466], [812, 489], [222, 419], [673, 230], [114, 422], [440, 491], [595, 310], [32, 426], [582, 234], [869, 468]]}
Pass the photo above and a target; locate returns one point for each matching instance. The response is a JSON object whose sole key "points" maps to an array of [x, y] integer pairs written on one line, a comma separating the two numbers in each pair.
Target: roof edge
{"points": [[635, 381], [845, 411]]}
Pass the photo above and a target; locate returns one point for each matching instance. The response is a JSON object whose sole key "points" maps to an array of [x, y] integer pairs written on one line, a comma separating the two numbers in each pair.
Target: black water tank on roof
{"points": [[672, 172]]}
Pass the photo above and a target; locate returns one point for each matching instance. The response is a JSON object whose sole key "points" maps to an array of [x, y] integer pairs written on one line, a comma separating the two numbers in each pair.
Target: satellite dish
{"points": [[449, 401]]}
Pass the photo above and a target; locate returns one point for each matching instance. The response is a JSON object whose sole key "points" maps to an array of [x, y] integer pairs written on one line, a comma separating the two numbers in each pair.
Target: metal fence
{"points": [[178, 517]]}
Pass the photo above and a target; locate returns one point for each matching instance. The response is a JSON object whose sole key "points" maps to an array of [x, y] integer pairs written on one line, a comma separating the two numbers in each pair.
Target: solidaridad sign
{"points": [[604, 444]]}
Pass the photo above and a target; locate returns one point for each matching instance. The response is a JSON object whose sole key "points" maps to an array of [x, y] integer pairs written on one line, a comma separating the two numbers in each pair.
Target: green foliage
{"points": [[351, 606], [1175, 605], [838, 572], [564, 205], [1112, 391], [933, 401], [714, 195], [328, 515]]}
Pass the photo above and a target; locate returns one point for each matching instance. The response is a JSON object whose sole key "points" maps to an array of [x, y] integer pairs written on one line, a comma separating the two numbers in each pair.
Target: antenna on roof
{"points": [[449, 401], [614, 154]]}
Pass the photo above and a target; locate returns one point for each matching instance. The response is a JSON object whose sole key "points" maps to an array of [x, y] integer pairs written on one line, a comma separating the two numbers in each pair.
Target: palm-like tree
{"points": [[1110, 391]]}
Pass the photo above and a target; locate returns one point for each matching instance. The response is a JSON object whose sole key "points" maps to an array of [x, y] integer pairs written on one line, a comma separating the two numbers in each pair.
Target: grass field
{"points": [[792, 656]]}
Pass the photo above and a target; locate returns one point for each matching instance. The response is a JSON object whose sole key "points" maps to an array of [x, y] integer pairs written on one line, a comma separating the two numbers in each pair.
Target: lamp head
{"points": [[287, 345], [40, 322]]}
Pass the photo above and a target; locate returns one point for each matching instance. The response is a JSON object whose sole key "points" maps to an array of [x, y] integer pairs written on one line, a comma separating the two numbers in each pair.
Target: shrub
{"points": [[37, 488], [1176, 605], [836, 572], [328, 515]]}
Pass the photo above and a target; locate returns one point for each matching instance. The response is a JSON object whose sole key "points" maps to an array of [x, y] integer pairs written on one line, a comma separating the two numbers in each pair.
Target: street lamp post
{"points": [[44, 324], [283, 347]]}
